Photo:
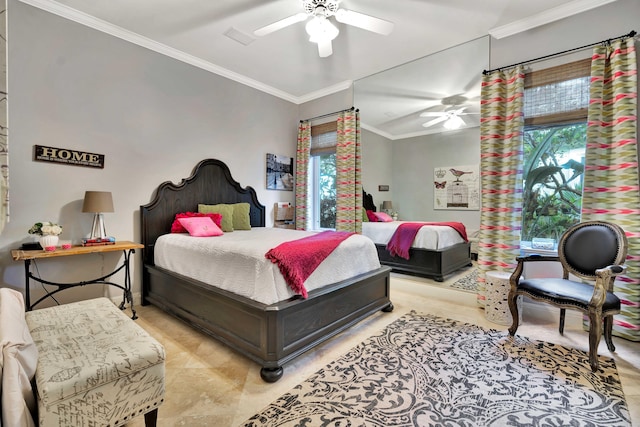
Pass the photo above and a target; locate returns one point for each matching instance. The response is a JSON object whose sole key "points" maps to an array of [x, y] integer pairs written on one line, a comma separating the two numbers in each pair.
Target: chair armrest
{"points": [[604, 282], [538, 257], [515, 277]]}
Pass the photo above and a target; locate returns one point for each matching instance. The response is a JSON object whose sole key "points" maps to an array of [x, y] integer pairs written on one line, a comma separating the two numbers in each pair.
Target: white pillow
{"points": [[18, 361]]}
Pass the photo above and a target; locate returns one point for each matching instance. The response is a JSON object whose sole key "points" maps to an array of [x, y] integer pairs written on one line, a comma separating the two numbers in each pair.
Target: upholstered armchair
{"points": [[592, 251]]}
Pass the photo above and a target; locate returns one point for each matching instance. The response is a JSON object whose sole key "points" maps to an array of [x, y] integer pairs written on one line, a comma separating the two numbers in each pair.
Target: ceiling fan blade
{"points": [[366, 22], [433, 114], [325, 49], [278, 25], [434, 121]]}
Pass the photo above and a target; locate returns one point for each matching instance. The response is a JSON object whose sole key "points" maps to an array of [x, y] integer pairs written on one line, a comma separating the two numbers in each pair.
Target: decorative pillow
{"points": [[241, 219], [201, 226], [383, 217], [372, 216], [223, 209], [176, 227], [365, 218]]}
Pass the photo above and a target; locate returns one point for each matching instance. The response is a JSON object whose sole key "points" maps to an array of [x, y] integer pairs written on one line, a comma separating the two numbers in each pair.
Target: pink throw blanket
{"points": [[403, 237], [297, 259]]}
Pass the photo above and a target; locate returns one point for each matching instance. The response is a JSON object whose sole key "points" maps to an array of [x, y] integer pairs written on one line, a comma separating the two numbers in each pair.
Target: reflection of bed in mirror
{"points": [[437, 250], [270, 333]]}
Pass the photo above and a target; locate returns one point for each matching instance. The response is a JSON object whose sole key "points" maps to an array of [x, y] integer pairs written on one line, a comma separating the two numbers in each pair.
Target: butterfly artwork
{"points": [[440, 185]]}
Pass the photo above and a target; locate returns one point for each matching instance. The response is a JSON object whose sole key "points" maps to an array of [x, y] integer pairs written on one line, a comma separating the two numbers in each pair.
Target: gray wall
{"points": [[151, 116]]}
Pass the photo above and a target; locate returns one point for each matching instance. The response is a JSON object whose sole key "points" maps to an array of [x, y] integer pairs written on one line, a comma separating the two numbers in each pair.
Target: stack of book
{"points": [[98, 242]]}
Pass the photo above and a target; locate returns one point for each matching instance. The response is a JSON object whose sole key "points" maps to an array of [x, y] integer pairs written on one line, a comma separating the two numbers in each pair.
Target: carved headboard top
{"points": [[367, 201], [210, 183]]}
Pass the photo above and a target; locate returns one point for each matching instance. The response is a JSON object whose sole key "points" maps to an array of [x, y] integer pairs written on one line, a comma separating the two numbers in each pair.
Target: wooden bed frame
{"points": [[271, 335], [434, 264]]}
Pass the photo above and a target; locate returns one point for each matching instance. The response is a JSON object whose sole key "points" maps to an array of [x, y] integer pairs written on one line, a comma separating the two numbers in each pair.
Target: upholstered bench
{"points": [[95, 366]]}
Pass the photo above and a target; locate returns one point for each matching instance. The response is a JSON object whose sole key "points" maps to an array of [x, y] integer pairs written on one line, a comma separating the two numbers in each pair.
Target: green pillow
{"points": [[241, 220], [365, 218], [225, 210]]}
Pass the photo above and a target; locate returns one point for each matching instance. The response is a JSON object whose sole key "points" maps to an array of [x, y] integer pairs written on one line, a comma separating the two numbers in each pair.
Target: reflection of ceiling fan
{"points": [[320, 29], [451, 115]]}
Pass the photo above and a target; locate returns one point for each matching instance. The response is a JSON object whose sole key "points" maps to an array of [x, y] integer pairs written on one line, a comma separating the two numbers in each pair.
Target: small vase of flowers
{"points": [[48, 232]]}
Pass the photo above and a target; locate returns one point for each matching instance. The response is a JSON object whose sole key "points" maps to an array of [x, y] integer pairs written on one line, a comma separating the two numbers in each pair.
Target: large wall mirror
{"points": [[408, 116], [434, 94]]}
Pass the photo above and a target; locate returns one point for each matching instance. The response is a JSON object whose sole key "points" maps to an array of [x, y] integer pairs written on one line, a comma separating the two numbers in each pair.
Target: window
{"points": [[322, 171], [555, 110]]}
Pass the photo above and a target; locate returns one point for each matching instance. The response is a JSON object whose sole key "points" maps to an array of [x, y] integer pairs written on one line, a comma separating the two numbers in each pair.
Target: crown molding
{"points": [[410, 134], [563, 11], [121, 33]]}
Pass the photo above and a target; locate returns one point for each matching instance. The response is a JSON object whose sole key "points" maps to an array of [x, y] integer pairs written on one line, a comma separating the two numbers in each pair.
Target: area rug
{"points": [[427, 371], [469, 282]]}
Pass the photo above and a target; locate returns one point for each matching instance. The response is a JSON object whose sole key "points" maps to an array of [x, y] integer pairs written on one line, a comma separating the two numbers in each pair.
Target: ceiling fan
{"points": [[320, 29], [451, 115]]}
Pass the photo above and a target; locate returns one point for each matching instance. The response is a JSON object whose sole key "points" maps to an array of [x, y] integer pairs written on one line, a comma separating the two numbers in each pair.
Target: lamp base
{"points": [[98, 230]]}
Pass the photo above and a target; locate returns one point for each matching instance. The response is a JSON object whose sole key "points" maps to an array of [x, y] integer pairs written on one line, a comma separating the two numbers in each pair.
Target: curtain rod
{"points": [[329, 114], [608, 41]]}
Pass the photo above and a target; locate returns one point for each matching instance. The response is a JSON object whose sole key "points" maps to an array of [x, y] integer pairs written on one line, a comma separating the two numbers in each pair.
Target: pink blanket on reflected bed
{"points": [[403, 237], [297, 259]]}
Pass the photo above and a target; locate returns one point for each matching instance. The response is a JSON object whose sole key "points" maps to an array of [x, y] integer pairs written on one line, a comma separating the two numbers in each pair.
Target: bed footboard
{"points": [[435, 264], [271, 335]]}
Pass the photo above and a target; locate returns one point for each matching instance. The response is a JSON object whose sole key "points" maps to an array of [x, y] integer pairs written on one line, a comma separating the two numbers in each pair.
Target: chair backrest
{"points": [[591, 245]]}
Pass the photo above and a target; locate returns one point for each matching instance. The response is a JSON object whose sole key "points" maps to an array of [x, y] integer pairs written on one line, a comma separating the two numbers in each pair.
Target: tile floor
{"points": [[209, 385]]}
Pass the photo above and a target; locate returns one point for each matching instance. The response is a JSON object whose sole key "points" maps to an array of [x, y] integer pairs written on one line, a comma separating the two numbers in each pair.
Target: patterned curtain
{"points": [[302, 165], [501, 157], [348, 173], [4, 144], [611, 191]]}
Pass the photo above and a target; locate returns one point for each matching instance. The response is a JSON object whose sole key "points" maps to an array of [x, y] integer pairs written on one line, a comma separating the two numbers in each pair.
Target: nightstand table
{"points": [[125, 246]]}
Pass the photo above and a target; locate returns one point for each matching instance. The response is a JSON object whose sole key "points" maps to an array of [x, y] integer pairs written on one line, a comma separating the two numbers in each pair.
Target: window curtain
{"points": [[611, 183], [348, 173], [501, 157], [303, 150]]}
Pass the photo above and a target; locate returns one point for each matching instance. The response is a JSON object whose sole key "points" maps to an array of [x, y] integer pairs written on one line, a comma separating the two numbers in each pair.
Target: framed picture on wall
{"points": [[456, 187], [279, 172]]}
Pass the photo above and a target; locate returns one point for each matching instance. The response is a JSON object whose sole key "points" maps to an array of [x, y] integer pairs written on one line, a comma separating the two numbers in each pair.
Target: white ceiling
{"points": [[285, 63]]}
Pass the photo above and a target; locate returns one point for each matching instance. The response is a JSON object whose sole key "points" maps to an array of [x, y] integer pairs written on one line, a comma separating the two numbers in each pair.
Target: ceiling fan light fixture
{"points": [[454, 122], [321, 30]]}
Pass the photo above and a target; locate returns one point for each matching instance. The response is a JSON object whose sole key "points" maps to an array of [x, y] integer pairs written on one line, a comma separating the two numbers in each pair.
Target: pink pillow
{"points": [[382, 217], [372, 216], [201, 226], [176, 227]]}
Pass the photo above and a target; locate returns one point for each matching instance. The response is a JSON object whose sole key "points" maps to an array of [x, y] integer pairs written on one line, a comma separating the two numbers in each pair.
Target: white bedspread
{"points": [[429, 237], [236, 261]]}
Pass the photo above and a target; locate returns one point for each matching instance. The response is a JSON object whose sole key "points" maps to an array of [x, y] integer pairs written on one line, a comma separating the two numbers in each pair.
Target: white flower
{"points": [[46, 229]]}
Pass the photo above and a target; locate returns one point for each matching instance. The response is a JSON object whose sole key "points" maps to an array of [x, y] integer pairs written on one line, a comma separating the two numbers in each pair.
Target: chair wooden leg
{"points": [[563, 312], [595, 332], [608, 326], [151, 418], [513, 308]]}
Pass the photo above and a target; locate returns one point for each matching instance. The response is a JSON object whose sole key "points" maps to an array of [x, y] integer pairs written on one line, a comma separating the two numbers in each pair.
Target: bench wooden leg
{"points": [[151, 418]]}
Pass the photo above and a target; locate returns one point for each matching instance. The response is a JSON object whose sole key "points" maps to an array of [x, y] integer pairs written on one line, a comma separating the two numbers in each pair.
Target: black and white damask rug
{"points": [[426, 371], [468, 282]]}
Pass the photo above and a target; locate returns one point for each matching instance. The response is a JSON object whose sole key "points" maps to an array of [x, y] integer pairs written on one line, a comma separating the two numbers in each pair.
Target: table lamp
{"points": [[387, 206], [98, 202]]}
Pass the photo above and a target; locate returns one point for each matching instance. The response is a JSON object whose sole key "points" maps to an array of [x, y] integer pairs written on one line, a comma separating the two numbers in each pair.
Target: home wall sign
{"points": [[67, 156]]}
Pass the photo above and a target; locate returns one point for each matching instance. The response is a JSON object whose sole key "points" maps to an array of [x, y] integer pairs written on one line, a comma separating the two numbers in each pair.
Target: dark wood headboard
{"points": [[210, 183], [367, 201]]}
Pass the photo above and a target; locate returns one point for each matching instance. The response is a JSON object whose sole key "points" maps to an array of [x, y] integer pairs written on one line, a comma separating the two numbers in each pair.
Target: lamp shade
{"points": [[387, 205], [97, 201]]}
